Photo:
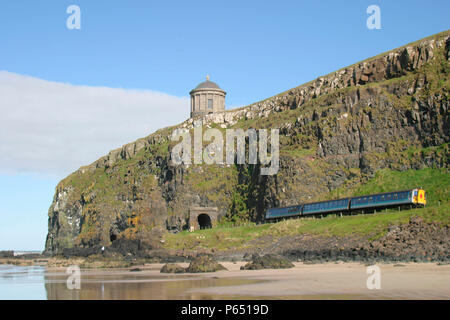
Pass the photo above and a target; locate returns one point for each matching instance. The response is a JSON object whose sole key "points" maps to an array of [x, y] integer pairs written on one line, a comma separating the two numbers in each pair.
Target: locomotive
{"points": [[414, 197]]}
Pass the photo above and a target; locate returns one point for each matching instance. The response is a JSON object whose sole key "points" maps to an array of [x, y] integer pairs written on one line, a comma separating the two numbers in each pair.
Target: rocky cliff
{"points": [[390, 111]]}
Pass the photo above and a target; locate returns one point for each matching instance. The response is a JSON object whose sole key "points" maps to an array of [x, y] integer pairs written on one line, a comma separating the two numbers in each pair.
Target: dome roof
{"points": [[208, 85]]}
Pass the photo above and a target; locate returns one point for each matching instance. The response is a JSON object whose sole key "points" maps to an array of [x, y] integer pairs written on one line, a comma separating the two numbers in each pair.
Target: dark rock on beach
{"points": [[7, 254], [204, 263], [172, 268], [269, 261]]}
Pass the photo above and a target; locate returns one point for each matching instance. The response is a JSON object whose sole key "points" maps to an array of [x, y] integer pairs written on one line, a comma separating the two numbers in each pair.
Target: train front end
{"points": [[419, 197]]}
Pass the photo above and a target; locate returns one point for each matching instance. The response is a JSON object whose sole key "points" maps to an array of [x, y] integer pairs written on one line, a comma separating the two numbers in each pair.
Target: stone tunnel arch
{"points": [[202, 217], [204, 221]]}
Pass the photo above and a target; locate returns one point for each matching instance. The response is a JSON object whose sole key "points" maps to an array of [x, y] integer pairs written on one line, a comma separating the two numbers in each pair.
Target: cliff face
{"points": [[390, 111]]}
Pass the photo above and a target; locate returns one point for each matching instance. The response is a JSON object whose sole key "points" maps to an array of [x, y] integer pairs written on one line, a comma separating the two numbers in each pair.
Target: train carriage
{"points": [[330, 206], [389, 199], [414, 197], [285, 212]]}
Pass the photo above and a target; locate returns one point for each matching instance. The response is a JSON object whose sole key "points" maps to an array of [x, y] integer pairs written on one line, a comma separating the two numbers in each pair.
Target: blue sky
{"points": [[252, 49]]}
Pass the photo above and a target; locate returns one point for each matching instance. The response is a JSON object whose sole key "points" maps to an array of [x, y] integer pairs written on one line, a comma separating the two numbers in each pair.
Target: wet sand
{"points": [[307, 281], [340, 281]]}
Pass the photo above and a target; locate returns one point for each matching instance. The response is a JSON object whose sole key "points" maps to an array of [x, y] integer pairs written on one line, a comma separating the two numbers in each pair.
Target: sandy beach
{"points": [[341, 281], [304, 281]]}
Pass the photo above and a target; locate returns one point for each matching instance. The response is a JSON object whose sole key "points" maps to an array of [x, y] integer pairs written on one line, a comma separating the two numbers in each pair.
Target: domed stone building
{"points": [[206, 98]]}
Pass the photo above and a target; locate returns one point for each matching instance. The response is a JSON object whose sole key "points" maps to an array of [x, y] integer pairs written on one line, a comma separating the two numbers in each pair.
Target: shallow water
{"points": [[22, 283], [38, 283]]}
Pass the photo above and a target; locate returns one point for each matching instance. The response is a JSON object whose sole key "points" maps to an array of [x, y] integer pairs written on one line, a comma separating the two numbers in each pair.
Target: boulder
{"points": [[172, 268], [7, 254], [269, 261], [204, 264]]}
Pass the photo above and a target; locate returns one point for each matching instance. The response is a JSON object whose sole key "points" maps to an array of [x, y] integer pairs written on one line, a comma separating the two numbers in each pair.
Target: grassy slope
{"points": [[436, 182]]}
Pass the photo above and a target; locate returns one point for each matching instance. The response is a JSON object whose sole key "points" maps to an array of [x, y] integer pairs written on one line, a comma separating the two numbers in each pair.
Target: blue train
{"points": [[413, 197]]}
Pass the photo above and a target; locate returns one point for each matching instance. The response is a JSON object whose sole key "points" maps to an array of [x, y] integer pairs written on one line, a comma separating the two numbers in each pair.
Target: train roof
{"points": [[302, 204], [377, 194], [297, 205], [348, 198]]}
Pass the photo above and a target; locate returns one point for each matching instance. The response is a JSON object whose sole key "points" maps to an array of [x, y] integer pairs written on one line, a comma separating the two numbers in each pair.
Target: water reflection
{"points": [[29, 283], [136, 287], [18, 282], [37, 282]]}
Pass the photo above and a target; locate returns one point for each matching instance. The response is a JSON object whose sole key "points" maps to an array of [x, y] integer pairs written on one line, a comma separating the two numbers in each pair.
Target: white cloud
{"points": [[54, 128]]}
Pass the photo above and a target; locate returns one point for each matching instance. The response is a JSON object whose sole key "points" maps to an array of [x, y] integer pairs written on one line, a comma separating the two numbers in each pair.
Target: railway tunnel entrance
{"points": [[202, 217], [204, 221]]}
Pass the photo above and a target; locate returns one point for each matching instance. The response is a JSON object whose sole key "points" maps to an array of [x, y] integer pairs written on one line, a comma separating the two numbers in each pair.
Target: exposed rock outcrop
{"points": [[268, 261], [204, 263], [172, 268], [390, 111], [7, 254], [415, 241]]}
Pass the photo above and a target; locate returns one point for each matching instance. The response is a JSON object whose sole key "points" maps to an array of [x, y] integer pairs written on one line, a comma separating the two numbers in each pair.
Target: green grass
{"points": [[436, 182], [372, 226], [218, 238]]}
